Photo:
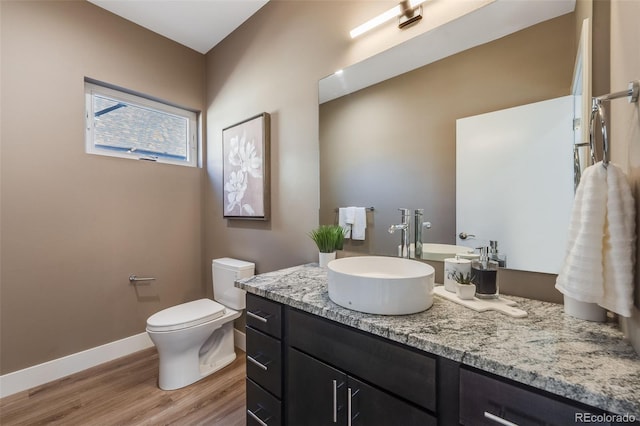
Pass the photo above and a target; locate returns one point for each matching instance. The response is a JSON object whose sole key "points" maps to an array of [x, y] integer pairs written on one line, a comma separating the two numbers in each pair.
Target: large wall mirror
{"points": [[392, 144]]}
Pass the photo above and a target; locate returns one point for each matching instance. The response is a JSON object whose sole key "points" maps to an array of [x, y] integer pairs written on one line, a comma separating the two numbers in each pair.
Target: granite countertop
{"points": [[581, 360]]}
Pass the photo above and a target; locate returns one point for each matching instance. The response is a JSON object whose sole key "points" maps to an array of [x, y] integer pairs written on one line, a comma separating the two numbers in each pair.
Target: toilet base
{"points": [[183, 364]]}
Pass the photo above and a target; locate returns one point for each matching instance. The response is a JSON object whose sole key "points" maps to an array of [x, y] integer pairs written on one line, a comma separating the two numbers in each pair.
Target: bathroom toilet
{"points": [[195, 339]]}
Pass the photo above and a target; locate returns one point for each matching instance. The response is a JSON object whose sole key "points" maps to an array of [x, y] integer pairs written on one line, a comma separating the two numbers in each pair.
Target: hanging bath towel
{"points": [[598, 267]]}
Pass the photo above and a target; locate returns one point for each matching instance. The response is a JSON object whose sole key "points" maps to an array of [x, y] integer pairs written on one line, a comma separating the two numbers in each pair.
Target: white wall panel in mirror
{"points": [[514, 182]]}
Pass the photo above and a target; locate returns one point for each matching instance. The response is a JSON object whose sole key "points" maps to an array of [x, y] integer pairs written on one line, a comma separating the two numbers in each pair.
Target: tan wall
{"points": [[273, 64], [74, 226], [393, 144], [625, 117]]}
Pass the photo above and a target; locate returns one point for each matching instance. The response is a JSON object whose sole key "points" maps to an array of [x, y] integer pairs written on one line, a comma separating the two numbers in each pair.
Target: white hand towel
{"points": [[600, 251], [346, 216], [619, 244], [359, 223]]}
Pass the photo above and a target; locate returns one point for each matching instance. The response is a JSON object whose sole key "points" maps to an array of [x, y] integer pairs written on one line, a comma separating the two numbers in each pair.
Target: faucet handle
{"points": [[405, 211], [426, 225]]}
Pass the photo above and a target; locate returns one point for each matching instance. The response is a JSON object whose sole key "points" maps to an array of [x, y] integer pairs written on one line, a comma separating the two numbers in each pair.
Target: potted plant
{"points": [[328, 238], [465, 289]]}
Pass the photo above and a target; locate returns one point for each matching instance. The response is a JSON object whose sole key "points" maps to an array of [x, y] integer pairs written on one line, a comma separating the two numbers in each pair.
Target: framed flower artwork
{"points": [[245, 168]]}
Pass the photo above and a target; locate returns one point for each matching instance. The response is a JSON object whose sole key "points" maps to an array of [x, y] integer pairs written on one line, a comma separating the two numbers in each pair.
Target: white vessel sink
{"points": [[381, 285], [443, 251]]}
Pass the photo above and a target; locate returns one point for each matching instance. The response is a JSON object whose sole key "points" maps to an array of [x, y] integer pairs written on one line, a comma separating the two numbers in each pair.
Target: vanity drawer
{"points": [[400, 371], [264, 361], [264, 315], [488, 401], [262, 407]]}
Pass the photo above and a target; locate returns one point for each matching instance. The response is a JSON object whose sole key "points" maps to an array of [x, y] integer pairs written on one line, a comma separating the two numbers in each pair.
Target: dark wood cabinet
{"points": [[317, 392], [304, 370], [395, 368], [489, 401], [262, 407], [264, 362], [371, 406], [321, 395]]}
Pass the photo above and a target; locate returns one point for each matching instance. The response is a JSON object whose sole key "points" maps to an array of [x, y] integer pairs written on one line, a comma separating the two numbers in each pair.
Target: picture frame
{"points": [[246, 168]]}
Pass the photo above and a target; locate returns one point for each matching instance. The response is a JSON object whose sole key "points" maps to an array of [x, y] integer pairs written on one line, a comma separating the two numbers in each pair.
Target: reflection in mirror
{"points": [[581, 90], [514, 181], [392, 145]]}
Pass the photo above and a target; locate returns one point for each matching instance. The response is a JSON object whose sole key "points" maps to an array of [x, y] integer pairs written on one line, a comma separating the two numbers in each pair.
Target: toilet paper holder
{"points": [[134, 278]]}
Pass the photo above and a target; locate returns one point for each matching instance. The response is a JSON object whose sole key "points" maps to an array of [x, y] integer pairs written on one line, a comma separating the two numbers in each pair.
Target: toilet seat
{"points": [[185, 315]]}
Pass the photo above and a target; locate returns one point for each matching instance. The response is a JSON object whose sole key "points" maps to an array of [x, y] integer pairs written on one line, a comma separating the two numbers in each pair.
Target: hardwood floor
{"points": [[125, 392]]}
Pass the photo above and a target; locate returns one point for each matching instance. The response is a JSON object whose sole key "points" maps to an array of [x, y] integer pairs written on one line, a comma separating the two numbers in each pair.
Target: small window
{"points": [[122, 124]]}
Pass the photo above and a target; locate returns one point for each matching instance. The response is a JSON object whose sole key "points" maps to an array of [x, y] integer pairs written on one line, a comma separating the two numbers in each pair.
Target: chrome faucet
{"points": [[404, 227], [417, 231]]}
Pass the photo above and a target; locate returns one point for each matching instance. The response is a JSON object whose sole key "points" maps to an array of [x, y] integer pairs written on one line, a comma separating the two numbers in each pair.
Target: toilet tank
{"points": [[225, 272]]}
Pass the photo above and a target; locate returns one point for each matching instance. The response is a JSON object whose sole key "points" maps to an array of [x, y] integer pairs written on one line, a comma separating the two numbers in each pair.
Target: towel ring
{"points": [[597, 111]]}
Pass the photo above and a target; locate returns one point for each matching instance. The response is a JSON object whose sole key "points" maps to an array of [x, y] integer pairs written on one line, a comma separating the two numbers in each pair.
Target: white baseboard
{"points": [[52, 370], [240, 340]]}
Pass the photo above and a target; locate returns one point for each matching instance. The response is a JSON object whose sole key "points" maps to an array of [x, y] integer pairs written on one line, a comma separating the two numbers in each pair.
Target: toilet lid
{"points": [[185, 315]]}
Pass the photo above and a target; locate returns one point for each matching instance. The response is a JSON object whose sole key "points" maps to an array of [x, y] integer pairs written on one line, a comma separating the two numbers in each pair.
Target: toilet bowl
{"points": [[195, 339]]}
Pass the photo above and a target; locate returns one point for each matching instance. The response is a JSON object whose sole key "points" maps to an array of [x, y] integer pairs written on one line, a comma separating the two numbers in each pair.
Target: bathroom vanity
{"points": [[312, 362]]}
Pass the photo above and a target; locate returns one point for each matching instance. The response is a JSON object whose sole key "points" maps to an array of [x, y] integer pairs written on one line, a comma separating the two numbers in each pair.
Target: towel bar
{"points": [[597, 111], [366, 208]]}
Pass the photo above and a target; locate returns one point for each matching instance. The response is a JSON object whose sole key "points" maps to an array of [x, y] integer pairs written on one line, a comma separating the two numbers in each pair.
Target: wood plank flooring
{"points": [[125, 392]]}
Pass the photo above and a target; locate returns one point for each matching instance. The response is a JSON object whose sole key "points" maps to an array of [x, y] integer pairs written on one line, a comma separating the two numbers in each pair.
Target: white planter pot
{"points": [[325, 258], [466, 291]]}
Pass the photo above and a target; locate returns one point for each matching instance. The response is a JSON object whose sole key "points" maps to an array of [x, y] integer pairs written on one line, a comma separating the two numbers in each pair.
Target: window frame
{"points": [[92, 88]]}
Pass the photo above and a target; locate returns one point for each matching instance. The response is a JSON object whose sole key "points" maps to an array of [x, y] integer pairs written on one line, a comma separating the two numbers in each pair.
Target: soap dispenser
{"points": [[485, 275]]}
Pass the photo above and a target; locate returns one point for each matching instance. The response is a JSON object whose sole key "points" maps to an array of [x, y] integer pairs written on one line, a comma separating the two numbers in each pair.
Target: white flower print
{"points": [[243, 155], [235, 188]]}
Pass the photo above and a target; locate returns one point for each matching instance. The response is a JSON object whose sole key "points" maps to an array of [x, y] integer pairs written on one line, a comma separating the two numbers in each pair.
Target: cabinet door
{"points": [[367, 406], [317, 392]]}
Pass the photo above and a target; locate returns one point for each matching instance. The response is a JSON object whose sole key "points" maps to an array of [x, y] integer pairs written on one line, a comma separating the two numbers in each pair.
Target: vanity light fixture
{"points": [[407, 12]]}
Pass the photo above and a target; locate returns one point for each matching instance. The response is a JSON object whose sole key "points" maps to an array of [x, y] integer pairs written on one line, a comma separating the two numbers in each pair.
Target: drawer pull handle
{"points": [[258, 363], [499, 420], [258, 317], [256, 418], [335, 401], [348, 406]]}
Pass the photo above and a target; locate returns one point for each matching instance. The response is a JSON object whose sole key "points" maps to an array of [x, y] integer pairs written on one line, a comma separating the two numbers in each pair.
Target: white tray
{"points": [[501, 304]]}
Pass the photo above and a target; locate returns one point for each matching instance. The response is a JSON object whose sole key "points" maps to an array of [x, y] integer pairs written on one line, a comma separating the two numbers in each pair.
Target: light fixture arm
{"points": [[407, 12], [410, 14]]}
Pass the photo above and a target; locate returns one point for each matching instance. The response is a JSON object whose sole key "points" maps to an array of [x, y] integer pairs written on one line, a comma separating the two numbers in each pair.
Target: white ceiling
{"points": [[198, 24]]}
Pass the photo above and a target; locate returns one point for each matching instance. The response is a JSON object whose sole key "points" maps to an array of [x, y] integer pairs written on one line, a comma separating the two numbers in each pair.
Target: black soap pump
{"points": [[485, 275]]}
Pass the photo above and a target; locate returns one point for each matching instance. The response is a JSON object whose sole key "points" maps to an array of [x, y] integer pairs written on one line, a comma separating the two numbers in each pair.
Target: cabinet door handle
{"points": [[497, 419], [348, 406], [258, 317], [258, 363], [255, 417], [335, 401]]}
